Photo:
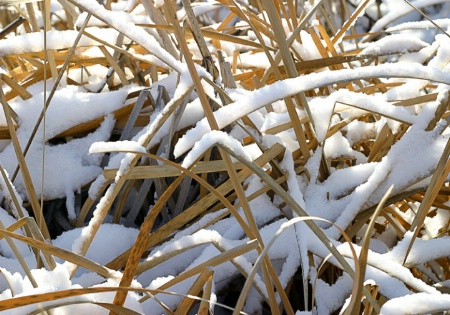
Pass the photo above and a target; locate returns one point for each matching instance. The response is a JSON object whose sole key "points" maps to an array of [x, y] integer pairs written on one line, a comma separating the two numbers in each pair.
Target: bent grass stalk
{"points": [[268, 29]]}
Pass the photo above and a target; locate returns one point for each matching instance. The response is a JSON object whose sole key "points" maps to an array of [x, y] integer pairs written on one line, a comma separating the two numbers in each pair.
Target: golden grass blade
{"points": [[300, 212], [139, 245], [199, 207], [61, 253], [48, 100], [355, 302], [117, 309], [58, 295], [383, 135], [89, 203], [361, 7], [204, 305], [438, 178], [161, 171], [417, 100], [114, 189], [20, 258], [186, 304], [24, 169], [440, 111], [23, 93]]}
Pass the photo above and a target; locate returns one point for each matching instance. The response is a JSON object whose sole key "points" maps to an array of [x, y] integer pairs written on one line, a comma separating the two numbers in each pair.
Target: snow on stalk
{"points": [[321, 134]]}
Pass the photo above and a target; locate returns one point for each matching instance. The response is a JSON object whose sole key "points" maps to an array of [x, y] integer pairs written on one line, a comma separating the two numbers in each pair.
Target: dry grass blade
{"points": [[50, 96], [19, 257], [58, 295], [217, 260], [202, 205], [111, 307], [293, 37], [115, 187], [204, 308], [24, 169], [61, 253], [273, 80], [361, 7], [53, 296], [161, 171], [141, 240], [231, 171], [300, 212], [22, 92], [355, 302], [438, 178], [196, 288], [10, 195]]}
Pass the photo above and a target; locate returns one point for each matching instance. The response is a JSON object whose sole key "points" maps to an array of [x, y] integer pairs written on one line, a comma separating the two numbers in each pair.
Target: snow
{"points": [[419, 303], [307, 49], [139, 35], [443, 23], [129, 18], [284, 88], [100, 251], [210, 139], [71, 158], [59, 278], [422, 67], [34, 42], [124, 145], [401, 9], [393, 44]]}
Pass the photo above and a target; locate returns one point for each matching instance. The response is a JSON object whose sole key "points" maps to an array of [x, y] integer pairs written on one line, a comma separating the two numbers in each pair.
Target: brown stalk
{"points": [[115, 187], [438, 178], [61, 253], [199, 207], [301, 213], [204, 305], [186, 304], [231, 171], [19, 256], [290, 69], [24, 169], [350, 21], [48, 100], [355, 301]]}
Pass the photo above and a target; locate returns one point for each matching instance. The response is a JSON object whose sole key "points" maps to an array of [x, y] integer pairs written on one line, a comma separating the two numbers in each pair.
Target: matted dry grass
{"points": [[220, 177]]}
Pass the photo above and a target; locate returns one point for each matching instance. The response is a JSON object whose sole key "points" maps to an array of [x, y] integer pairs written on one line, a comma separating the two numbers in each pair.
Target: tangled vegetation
{"points": [[229, 156]]}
